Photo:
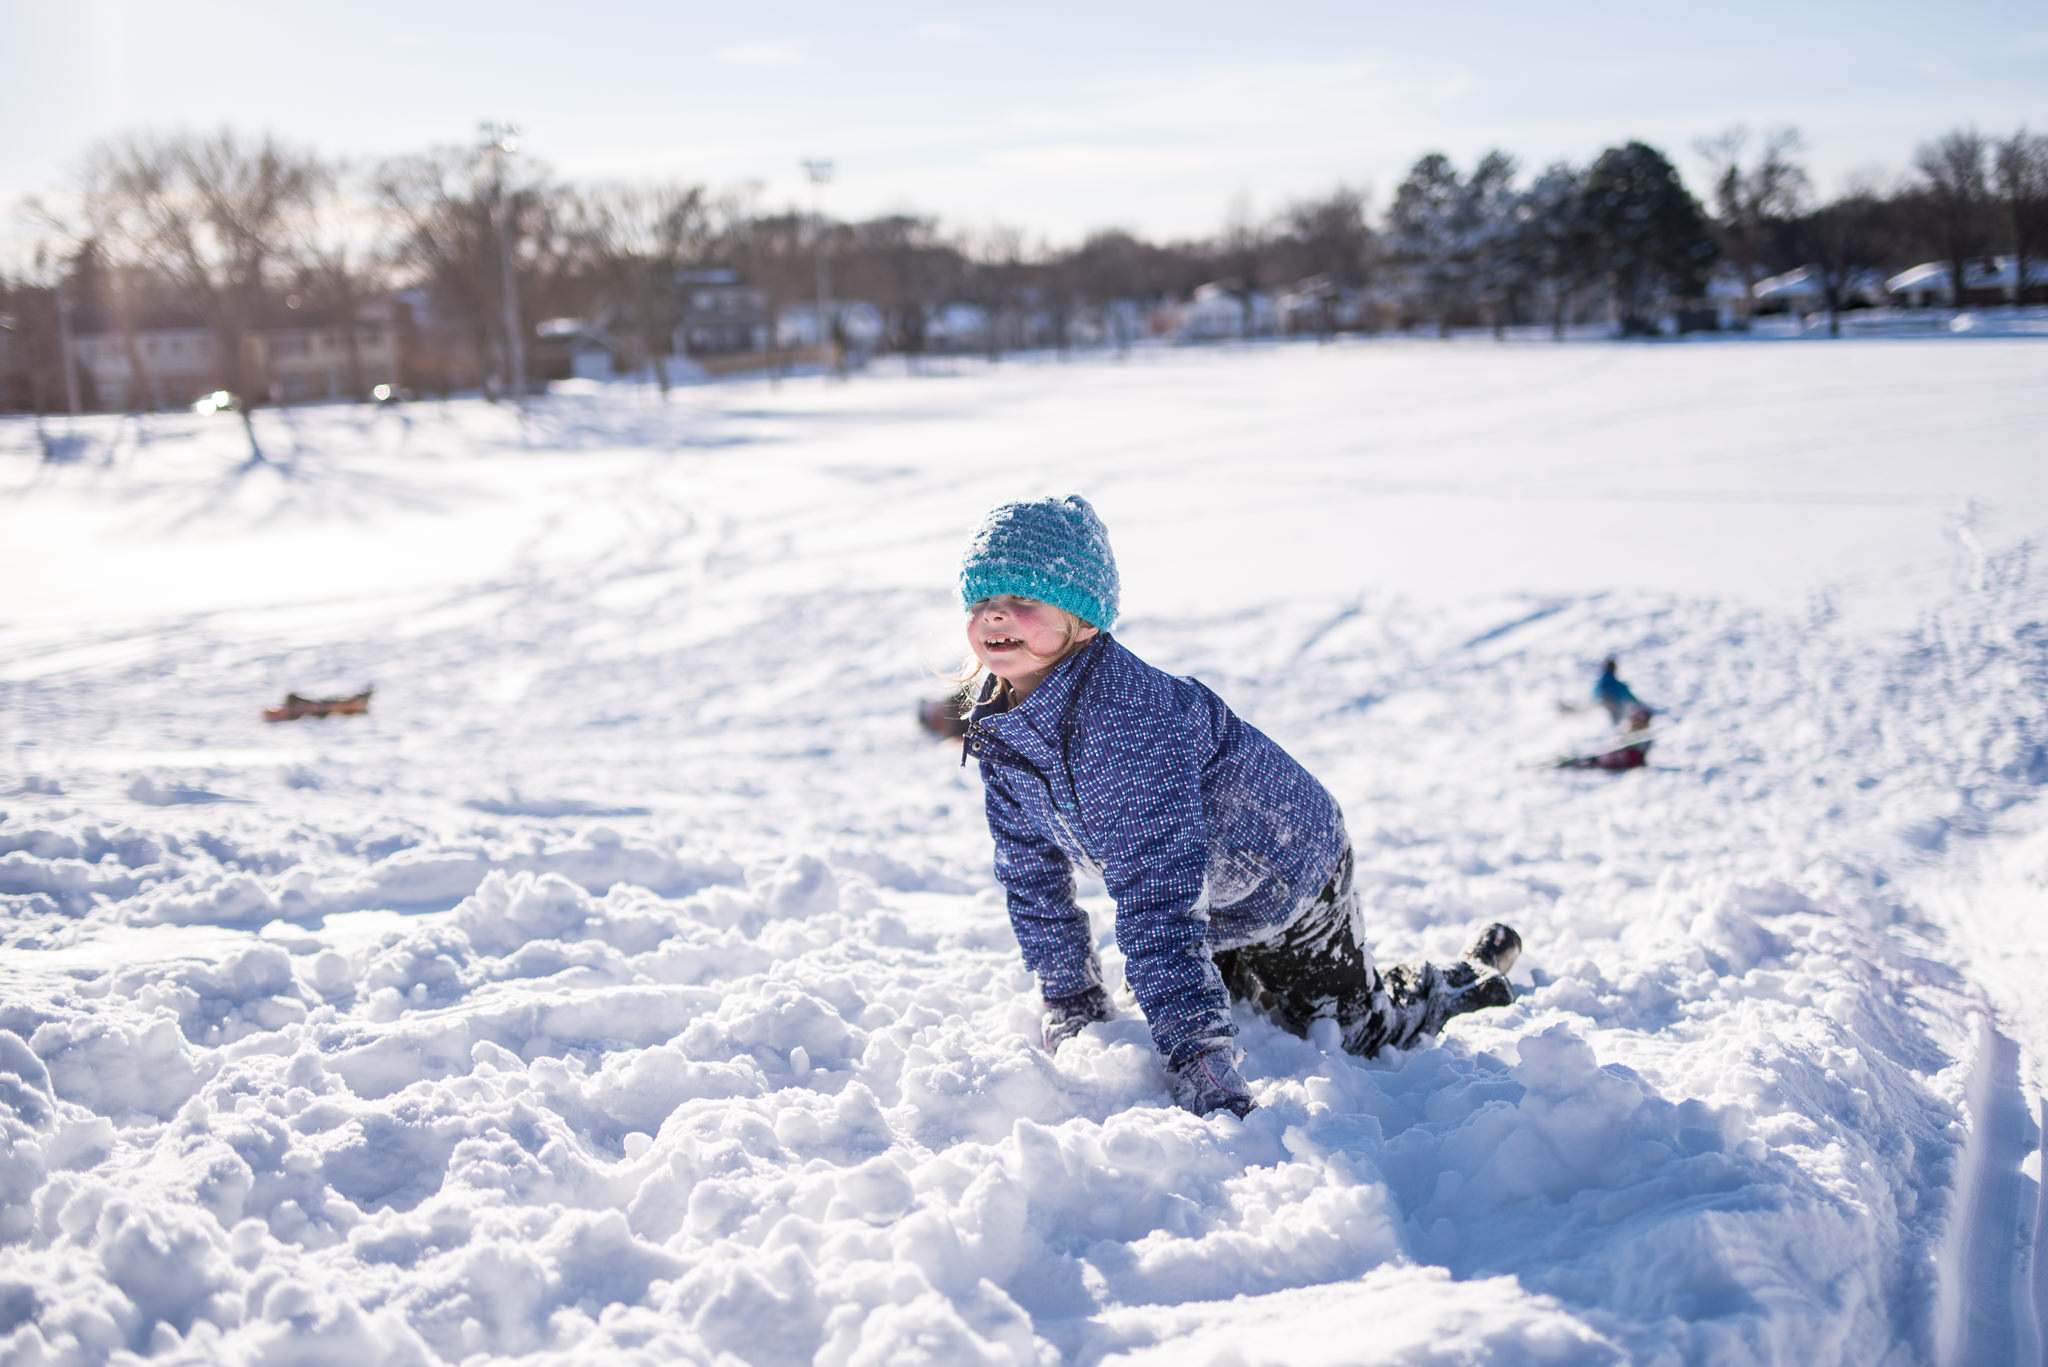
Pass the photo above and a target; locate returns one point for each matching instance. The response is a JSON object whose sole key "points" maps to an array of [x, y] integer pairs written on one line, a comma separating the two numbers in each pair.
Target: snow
{"points": [[629, 985]]}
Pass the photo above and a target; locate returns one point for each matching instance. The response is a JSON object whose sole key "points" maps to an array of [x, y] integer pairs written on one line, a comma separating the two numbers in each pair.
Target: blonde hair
{"points": [[966, 680]]}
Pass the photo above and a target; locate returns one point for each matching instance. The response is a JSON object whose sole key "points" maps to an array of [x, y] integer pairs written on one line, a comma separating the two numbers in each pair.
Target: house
{"points": [[856, 325], [1986, 282], [569, 348], [438, 350], [1801, 291], [296, 364], [1124, 321], [1318, 305], [1730, 300], [955, 327], [720, 314], [177, 365], [1221, 309], [281, 365]]}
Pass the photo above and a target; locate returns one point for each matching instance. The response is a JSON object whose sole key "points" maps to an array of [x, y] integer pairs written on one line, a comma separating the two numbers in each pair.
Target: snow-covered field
{"points": [[629, 986]]}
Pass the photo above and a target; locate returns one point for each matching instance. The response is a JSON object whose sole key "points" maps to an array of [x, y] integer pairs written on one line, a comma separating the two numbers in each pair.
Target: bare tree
{"points": [[1844, 242], [903, 265], [1112, 264], [338, 243], [455, 219], [2020, 165], [32, 327], [771, 250], [638, 238], [995, 283], [444, 234], [1326, 244], [1749, 196], [215, 213], [1958, 199], [102, 238], [1240, 254]]}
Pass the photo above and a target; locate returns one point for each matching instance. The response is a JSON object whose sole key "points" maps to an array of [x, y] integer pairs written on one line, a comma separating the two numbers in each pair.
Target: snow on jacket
{"points": [[1206, 833]]}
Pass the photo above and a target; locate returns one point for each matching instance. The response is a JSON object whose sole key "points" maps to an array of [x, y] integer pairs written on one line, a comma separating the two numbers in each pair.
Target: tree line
{"points": [[233, 234]]}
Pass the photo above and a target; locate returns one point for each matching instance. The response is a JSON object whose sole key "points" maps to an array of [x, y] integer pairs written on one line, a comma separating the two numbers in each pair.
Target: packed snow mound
{"points": [[629, 985]]}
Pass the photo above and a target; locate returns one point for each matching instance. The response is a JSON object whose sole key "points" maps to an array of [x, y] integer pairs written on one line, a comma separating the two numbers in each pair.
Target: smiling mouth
{"points": [[1001, 643]]}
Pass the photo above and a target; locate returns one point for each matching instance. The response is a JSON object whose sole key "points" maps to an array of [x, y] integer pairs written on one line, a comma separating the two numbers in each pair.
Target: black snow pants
{"points": [[1316, 969]]}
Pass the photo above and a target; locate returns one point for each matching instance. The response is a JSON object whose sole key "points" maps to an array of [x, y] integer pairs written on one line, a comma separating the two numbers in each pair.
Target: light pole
{"points": [[820, 171], [500, 140], [64, 346]]}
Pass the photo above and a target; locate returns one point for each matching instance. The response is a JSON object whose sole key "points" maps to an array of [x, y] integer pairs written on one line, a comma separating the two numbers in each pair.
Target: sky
{"points": [[1056, 118]]}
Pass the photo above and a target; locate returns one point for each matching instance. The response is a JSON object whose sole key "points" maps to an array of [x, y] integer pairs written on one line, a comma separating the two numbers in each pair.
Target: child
{"points": [[1228, 862], [1618, 698]]}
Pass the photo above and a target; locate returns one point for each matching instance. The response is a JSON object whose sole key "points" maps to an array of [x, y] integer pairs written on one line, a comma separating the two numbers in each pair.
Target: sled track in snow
{"points": [[1994, 1278]]}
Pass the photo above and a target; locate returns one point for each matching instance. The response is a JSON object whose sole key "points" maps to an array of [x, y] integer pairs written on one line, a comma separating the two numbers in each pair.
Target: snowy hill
{"points": [[629, 984]]}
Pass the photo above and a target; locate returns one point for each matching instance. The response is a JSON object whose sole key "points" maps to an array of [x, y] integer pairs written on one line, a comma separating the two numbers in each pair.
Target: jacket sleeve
{"points": [[1051, 928], [1139, 787]]}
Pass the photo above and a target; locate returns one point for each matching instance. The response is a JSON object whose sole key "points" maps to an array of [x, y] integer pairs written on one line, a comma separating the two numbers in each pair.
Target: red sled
{"points": [[1630, 750]]}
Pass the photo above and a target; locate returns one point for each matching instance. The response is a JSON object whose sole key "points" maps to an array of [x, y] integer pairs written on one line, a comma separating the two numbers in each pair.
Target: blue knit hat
{"points": [[1055, 550]]}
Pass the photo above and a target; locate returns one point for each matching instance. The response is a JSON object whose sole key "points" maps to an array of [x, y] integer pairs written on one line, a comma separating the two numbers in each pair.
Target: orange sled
{"points": [[354, 705]]}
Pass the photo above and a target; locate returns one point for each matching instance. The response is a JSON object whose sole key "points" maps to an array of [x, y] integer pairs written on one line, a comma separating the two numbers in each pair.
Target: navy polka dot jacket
{"points": [[1206, 833]]}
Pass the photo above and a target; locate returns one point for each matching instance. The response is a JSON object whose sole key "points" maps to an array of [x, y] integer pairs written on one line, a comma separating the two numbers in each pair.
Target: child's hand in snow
{"points": [[1065, 1016]]}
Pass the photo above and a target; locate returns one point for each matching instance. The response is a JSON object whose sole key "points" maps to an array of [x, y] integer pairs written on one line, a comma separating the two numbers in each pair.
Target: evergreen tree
{"points": [[1487, 226], [1553, 244], [1424, 235], [1649, 230]]}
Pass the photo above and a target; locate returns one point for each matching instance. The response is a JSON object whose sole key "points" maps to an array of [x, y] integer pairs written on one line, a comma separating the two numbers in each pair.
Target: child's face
{"points": [[1019, 639]]}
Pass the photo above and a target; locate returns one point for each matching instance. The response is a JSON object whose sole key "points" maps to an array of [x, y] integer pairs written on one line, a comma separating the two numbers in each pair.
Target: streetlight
{"points": [[64, 349], [500, 140], [820, 171]]}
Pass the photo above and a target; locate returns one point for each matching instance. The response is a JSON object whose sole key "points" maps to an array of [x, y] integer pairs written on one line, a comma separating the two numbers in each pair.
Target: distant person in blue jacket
{"points": [[1618, 698], [1229, 863]]}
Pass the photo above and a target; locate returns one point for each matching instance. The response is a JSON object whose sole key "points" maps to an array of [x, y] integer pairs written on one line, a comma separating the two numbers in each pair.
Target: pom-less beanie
{"points": [[1055, 550]]}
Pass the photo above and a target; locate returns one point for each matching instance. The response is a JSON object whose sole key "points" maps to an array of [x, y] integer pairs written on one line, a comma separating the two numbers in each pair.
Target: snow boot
{"points": [[1424, 996], [1480, 977], [1469, 987], [1496, 948], [1210, 1082]]}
